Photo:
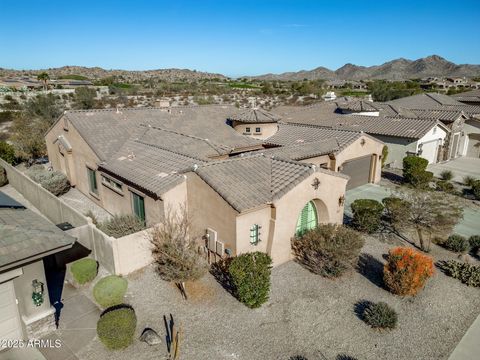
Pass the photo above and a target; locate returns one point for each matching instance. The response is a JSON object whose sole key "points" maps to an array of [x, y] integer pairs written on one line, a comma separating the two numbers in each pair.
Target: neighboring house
{"points": [[402, 135], [27, 240], [470, 146], [152, 160], [468, 97], [256, 122]]}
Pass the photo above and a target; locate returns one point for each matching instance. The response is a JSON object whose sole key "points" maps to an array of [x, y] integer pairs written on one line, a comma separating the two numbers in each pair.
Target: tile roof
{"points": [[106, 130], [246, 182], [25, 234], [148, 167], [468, 96], [358, 105], [255, 116], [424, 101]]}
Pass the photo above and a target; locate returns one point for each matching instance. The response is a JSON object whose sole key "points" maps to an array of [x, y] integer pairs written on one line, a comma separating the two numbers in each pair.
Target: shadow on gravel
{"points": [[391, 176], [359, 309], [345, 357], [371, 268], [219, 270]]}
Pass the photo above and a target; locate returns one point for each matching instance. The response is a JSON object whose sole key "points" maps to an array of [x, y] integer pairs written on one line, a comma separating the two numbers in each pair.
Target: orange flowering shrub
{"points": [[407, 270]]}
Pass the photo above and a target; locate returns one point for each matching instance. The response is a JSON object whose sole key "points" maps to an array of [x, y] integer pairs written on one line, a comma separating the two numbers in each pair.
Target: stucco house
{"points": [[243, 195], [28, 242]]}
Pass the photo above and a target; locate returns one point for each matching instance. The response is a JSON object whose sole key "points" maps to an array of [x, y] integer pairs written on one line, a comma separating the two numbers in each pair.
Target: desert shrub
{"points": [[54, 181], [407, 271], [110, 290], [122, 225], [250, 275], [467, 273], [468, 180], [3, 177], [84, 270], [367, 215], [328, 250], [457, 243], [7, 152], [116, 327], [446, 175], [445, 186], [380, 315], [414, 171], [396, 210], [474, 242], [476, 189]]}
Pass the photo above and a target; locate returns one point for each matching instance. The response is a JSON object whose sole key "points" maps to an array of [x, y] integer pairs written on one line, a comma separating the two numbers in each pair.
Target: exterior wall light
{"points": [[341, 200], [37, 294]]}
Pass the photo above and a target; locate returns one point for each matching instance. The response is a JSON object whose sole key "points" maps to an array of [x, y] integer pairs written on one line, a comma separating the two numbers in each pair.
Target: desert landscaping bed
{"points": [[306, 315]]}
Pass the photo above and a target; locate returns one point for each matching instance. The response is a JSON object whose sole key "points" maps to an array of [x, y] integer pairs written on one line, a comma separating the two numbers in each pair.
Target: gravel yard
{"points": [[306, 315]]}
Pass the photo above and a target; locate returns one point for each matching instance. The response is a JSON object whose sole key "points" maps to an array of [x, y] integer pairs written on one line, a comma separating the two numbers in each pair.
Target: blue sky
{"points": [[234, 37]]}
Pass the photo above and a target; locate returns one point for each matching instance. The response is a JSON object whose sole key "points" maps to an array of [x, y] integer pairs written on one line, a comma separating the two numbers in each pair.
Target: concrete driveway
{"points": [[468, 226], [461, 167]]}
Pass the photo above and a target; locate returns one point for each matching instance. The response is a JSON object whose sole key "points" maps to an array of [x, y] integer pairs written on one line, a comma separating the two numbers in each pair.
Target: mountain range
{"points": [[399, 69]]}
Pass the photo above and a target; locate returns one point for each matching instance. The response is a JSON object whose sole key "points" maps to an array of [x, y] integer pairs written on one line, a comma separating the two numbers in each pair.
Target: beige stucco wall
{"points": [[266, 130], [288, 209], [23, 291], [208, 209], [261, 216]]}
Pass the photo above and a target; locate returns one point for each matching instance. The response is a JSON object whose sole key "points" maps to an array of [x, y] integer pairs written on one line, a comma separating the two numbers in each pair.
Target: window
{"points": [[138, 205], [92, 181], [257, 130], [111, 183], [255, 234], [247, 129], [307, 219]]}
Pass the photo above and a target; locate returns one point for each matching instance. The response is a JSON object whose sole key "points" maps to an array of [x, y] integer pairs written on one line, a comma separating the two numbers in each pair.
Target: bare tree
{"points": [[428, 213], [175, 249]]}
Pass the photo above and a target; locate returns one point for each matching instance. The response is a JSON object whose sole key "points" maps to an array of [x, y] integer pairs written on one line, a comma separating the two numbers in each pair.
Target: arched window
{"points": [[308, 218]]}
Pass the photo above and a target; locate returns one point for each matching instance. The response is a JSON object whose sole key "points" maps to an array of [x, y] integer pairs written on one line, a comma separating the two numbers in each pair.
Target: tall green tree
{"points": [[44, 77]]}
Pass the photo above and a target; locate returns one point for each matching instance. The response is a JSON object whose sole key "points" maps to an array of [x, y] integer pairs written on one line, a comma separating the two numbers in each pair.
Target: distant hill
{"points": [[94, 73], [399, 69]]}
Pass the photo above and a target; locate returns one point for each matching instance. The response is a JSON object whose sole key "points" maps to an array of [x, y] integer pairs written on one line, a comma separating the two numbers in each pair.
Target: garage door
{"points": [[10, 327], [429, 151], [358, 170], [473, 149]]}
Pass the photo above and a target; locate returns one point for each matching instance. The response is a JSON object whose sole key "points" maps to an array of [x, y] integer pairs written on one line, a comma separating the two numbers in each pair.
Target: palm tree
{"points": [[44, 77]]}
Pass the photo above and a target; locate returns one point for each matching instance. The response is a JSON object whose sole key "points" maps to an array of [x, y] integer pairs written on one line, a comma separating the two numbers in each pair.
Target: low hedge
{"points": [[367, 214], [116, 327], [110, 291], [54, 181], [84, 270]]}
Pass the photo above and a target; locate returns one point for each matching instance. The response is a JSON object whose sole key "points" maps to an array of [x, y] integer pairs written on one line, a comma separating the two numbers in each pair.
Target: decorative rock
{"points": [[150, 336]]}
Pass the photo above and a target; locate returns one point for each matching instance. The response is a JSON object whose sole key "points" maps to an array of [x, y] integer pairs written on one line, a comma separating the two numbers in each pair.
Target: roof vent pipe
{"points": [[195, 167]]}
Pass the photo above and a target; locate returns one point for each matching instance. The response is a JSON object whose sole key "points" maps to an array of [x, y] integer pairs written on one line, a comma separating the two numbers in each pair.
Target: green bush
{"points": [[396, 209], [250, 276], [384, 155], [110, 291], [466, 273], [328, 250], [457, 243], [84, 270], [116, 327], [380, 315], [476, 189], [474, 242], [446, 175], [3, 177], [445, 186], [468, 180], [7, 152], [54, 181], [367, 214], [122, 225], [414, 171]]}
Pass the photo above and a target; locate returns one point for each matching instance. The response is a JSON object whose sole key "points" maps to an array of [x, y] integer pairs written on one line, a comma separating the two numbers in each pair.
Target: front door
{"points": [[10, 326]]}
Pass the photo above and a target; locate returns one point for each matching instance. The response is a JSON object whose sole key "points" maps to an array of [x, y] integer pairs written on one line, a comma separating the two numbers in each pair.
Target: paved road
{"points": [[461, 167]]}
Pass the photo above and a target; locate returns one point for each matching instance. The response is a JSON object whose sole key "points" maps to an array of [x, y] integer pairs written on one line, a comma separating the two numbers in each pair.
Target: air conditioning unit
{"points": [[212, 240], [220, 248]]}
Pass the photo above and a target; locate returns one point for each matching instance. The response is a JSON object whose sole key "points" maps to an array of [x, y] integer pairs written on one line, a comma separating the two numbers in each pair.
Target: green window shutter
{"points": [[308, 219], [92, 180], [255, 234]]}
